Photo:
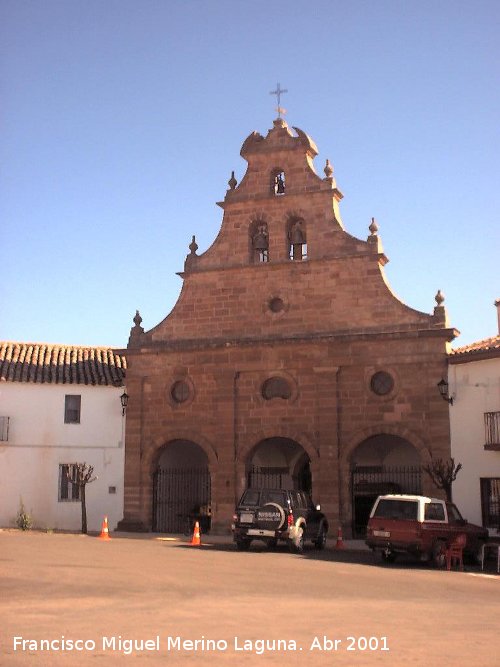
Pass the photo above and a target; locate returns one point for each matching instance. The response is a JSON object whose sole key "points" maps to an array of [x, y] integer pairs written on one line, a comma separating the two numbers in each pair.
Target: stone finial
{"points": [[192, 257], [232, 182], [136, 330], [137, 319], [193, 246], [328, 169], [440, 315], [439, 298], [373, 227]]}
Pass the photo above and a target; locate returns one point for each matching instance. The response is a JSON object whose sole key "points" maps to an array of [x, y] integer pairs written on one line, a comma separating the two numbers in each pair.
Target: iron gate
{"points": [[177, 494], [368, 482]]}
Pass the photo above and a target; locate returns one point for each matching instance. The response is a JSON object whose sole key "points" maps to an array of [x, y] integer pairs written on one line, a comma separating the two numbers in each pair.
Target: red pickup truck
{"points": [[421, 527]]}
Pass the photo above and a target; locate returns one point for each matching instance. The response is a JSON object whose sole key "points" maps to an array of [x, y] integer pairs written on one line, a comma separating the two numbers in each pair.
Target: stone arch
{"points": [[377, 461], [387, 429], [152, 455], [252, 440]]}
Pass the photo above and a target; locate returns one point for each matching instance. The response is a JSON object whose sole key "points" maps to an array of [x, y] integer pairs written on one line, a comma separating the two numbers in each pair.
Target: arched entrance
{"points": [[381, 464], [181, 487], [279, 463]]}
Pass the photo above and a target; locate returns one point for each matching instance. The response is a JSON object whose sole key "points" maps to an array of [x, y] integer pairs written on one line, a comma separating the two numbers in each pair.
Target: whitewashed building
{"points": [[60, 405], [474, 385]]}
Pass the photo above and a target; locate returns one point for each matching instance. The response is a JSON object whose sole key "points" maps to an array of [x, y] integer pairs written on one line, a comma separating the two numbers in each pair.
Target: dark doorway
{"points": [[181, 489]]}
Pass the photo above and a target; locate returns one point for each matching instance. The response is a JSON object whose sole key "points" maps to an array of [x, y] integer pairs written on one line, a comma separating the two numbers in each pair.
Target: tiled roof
{"points": [[489, 345], [61, 364]]}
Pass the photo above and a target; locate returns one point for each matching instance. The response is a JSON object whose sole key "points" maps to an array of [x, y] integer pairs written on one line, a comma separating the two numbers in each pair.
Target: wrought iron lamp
{"points": [[124, 402], [443, 387]]}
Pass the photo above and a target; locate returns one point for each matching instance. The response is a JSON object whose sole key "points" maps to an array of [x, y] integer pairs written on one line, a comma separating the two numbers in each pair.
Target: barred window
{"points": [[4, 429], [68, 492], [492, 428], [490, 501]]}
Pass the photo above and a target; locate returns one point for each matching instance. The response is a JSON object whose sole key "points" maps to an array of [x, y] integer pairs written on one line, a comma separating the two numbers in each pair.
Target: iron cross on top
{"points": [[278, 92]]}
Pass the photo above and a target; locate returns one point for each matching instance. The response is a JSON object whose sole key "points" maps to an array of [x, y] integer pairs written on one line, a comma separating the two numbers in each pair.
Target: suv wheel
{"points": [[243, 545], [320, 541], [296, 545]]}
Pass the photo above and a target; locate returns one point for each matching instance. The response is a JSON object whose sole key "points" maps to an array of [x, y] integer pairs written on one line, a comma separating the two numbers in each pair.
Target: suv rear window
{"points": [[397, 509], [257, 497]]}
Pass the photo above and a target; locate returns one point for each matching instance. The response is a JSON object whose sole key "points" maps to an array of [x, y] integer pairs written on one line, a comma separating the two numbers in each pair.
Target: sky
{"points": [[122, 120]]}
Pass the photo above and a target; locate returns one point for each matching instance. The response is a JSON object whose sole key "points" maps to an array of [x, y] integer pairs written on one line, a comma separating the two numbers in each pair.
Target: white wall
{"points": [[475, 387], [39, 441]]}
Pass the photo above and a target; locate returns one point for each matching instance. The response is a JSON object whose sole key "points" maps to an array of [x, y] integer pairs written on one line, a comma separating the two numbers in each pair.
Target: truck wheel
{"points": [[243, 545], [439, 554], [297, 544], [388, 556]]}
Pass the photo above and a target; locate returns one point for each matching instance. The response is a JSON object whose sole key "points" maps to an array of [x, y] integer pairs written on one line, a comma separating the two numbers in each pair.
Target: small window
{"points": [[68, 492], [382, 383], [278, 182], [492, 428], [180, 391], [434, 512], [72, 409], [276, 387]]}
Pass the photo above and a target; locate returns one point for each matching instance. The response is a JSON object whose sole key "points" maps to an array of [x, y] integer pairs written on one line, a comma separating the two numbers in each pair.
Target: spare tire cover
{"points": [[270, 516]]}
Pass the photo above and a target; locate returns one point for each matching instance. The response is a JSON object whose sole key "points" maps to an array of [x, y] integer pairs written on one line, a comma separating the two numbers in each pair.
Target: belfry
{"points": [[286, 362]]}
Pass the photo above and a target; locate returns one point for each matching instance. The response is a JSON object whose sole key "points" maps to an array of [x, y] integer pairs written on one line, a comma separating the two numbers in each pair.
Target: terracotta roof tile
{"points": [[61, 364], [486, 345]]}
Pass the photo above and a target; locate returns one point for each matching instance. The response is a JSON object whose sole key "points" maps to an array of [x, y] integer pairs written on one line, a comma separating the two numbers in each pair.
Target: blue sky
{"points": [[122, 121]]}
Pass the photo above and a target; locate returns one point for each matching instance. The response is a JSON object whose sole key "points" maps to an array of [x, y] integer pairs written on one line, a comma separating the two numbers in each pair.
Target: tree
{"points": [[443, 473], [80, 474]]}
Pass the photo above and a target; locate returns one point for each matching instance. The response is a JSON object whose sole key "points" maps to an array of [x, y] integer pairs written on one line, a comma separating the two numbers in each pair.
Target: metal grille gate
{"points": [[177, 493], [368, 482]]}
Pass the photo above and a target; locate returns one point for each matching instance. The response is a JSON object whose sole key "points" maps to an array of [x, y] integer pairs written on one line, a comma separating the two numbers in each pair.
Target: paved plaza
{"points": [[70, 599]]}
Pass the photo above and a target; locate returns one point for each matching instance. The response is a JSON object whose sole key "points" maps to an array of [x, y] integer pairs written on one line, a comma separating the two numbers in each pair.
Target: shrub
{"points": [[24, 520]]}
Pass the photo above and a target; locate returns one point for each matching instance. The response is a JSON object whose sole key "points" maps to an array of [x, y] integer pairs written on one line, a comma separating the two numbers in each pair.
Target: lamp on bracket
{"points": [[444, 387], [124, 402]]}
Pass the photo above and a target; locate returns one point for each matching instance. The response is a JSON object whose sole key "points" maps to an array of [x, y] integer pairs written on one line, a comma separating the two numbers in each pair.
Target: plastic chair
{"points": [[455, 551]]}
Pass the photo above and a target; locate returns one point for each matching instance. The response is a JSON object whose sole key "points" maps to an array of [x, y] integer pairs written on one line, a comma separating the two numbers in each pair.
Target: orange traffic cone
{"points": [[196, 540], [104, 530], [340, 541]]}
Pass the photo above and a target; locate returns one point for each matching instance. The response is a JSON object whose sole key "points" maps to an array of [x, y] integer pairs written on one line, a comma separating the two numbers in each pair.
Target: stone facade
{"points": [[286, 353]]}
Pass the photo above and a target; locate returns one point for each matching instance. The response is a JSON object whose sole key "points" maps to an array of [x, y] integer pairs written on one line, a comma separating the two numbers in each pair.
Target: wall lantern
{"points": [[443, 387], [124, 402]]}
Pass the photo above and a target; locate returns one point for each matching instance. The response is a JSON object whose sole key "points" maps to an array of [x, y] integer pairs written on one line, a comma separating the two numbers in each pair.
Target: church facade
{"points": [[286, 361]]}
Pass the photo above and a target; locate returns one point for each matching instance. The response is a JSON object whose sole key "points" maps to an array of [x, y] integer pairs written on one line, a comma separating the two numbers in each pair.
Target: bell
{"points": [[260, 241], [279, 185], [297, 235]]}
